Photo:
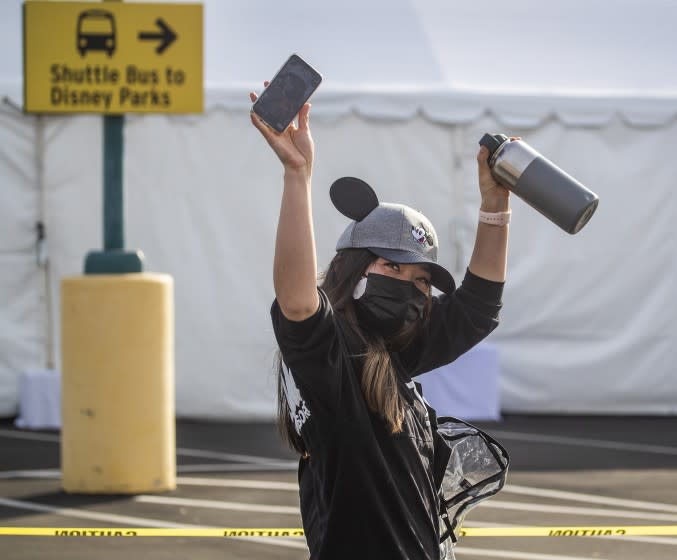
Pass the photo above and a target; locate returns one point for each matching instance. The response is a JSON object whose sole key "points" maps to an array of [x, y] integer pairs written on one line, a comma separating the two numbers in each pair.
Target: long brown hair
{"points": [[378, 376]]}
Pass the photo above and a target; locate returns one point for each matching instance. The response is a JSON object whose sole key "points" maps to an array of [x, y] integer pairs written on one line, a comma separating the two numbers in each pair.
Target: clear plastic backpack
{"points": [[476, 470]]}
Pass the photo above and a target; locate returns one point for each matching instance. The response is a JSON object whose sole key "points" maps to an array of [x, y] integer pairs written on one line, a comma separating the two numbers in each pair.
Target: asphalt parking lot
{"points": [[565, 471]]}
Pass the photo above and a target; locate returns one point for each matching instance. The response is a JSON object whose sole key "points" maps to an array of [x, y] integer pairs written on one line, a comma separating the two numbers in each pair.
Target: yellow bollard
{"points": [[117, 355]]}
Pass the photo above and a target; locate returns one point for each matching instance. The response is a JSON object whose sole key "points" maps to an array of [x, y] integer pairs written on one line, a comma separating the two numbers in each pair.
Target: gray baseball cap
{"points": [[393, 231]]}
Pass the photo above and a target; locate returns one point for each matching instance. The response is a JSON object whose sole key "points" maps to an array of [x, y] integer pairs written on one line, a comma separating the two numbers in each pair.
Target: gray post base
{"points": [[115, 261]]}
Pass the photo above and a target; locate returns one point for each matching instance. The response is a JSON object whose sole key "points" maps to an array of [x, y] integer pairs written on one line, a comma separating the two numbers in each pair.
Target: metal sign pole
{"points": [[113, 259], [113, 212]]}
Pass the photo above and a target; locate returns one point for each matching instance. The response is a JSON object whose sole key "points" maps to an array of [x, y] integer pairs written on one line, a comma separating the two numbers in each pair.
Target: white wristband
{"points": [[495, 218]]}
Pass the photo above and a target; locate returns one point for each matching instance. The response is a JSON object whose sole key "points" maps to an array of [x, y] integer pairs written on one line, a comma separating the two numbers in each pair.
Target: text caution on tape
{"points": [[632, 530]]}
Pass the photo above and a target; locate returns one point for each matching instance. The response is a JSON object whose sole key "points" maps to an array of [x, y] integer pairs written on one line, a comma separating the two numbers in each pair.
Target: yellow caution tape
{"points": [[632, 530], [595, 531], [142, 532]]}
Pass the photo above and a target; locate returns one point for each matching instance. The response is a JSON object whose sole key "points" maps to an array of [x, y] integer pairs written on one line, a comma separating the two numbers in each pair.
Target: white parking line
{"points": [[580, 511], [589, 498], [124, 520], [242, 462], [584, 442], [238, 483], [181, 451], [180, 480], [218, 504], [31, 473], [235, 467], [52, 438], [517, 555], [206, 454]]}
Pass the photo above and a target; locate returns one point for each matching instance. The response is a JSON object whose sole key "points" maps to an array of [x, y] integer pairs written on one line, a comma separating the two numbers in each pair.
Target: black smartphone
{"points": [[286, 93]]}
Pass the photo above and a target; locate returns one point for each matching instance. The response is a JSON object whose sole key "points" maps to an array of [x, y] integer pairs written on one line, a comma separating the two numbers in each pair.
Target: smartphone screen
{"points": [[289, 89]]}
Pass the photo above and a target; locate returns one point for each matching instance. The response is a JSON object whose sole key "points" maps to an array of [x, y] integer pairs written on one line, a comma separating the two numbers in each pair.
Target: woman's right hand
{"points": [[294, 146]]}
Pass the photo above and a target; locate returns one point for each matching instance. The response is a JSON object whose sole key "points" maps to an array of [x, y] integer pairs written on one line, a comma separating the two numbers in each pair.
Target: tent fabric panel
{"points": [[19, 195]]}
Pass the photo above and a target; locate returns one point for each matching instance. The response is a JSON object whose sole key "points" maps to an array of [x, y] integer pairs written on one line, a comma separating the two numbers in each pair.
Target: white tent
{"points": [[409, 87]]}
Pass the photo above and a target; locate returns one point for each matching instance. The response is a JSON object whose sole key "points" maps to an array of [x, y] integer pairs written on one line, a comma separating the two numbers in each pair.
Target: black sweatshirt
{"points": [[366, 492]]}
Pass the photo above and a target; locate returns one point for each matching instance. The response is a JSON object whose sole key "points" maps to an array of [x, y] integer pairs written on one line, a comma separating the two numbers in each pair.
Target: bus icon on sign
{"points": [[95, 32]]}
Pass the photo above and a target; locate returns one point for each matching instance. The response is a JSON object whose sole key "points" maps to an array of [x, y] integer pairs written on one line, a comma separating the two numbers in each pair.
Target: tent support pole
{"points": [[458, 188], [42, 248]]}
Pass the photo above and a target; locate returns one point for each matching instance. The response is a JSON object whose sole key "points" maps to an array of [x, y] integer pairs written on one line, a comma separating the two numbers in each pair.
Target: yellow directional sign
{"points": [[112, 57]]}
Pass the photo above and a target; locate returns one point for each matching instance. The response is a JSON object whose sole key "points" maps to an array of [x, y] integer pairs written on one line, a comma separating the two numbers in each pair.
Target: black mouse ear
{"points": [[353, 197]]}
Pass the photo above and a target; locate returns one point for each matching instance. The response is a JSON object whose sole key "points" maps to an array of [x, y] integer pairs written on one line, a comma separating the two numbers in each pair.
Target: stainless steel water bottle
{"points": [[539, 182]]}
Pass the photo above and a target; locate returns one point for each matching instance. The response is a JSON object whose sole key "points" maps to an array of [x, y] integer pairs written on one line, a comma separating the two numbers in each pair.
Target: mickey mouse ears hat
{"points": [[392, 231]]}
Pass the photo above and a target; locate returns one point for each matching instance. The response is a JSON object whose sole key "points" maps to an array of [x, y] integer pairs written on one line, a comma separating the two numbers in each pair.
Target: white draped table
{"points": [[39, 400], [467, 388]]}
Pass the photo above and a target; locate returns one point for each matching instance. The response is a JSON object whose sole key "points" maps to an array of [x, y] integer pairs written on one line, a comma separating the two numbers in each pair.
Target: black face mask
{"points": [[388, 305]]}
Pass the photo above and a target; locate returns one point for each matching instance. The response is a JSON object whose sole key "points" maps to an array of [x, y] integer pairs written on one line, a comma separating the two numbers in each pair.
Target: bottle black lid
{"points": [[492, 142]]}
